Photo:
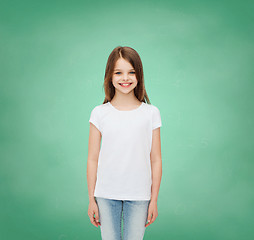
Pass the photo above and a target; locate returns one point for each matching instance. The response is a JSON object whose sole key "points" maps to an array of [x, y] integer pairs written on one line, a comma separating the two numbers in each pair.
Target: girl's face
{"points": [[124, 76]]}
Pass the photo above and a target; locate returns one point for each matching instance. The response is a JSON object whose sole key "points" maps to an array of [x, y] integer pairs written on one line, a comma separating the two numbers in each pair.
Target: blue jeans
{"points": [[134, 218]]}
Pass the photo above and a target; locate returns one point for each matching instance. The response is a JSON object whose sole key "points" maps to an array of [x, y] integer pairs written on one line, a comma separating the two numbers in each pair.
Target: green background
{"points": [[198, 68]]}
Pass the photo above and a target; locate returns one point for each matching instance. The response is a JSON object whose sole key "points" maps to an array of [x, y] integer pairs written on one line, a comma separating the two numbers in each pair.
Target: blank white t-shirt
{"points": [[124, 167]]}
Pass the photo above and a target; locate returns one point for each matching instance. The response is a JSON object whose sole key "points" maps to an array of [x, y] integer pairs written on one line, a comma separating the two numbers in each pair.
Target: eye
{"points": [[120, 72]]}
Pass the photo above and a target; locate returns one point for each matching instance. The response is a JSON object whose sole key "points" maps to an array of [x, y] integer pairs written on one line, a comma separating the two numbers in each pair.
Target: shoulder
{"points": [[155, 108], [100, 107], [152, 108], [156, 117]]}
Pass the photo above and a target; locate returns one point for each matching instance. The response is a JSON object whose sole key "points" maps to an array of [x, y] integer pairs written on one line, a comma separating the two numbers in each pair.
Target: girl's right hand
{"points": [[93, 209]]}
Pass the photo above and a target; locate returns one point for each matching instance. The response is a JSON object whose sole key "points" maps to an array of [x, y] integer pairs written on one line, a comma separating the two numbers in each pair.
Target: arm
{"points": [[156, 164], [92, 159]]}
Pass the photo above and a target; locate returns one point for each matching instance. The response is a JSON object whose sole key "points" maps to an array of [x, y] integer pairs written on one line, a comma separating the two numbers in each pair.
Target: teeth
{"points": [[125, 84]]}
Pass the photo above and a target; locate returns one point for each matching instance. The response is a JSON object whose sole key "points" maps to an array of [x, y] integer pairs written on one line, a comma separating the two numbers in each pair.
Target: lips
{"points": [[125, 84]]}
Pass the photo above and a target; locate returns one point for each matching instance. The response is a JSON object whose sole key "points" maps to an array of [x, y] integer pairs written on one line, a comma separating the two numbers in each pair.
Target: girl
{"points": [[129, 159]]}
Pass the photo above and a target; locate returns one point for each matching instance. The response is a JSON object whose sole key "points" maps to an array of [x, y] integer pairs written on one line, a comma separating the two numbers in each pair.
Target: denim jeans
{"points": [[134, 218]]}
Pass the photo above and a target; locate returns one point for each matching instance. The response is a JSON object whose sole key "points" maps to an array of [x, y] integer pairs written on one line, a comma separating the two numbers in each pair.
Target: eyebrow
{"points": [[121, 69]]}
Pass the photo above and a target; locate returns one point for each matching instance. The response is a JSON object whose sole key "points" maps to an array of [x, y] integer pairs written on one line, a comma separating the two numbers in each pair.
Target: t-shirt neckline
{"points": [[135, 109]]}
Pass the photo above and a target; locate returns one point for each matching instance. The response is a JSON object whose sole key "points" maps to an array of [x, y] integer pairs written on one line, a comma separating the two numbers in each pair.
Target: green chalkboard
{"points": [[198, 69]]}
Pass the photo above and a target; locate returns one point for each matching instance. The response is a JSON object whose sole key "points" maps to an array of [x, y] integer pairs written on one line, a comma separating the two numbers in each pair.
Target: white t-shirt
{"points": [[124, 167]]}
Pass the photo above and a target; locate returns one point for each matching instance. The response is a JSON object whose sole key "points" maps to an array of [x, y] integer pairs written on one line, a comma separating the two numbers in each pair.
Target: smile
{"points": [[125, 84]]}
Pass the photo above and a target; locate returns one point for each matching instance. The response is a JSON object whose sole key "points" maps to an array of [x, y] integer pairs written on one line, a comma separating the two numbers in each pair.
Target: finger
{"points": [[149, 218], [153, 218], [149, 223], [98, 222], [97, 219], [93, 221]]}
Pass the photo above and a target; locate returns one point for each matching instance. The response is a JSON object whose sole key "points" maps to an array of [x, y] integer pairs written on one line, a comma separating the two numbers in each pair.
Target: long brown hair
{"points": [[130, 55]]}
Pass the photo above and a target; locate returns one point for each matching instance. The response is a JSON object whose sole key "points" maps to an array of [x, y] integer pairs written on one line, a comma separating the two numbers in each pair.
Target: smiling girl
{"points": [[124, 165]]}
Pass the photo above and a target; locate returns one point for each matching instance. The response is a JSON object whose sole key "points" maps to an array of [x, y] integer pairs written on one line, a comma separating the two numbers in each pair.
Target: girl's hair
{"points": [[130, 55]]}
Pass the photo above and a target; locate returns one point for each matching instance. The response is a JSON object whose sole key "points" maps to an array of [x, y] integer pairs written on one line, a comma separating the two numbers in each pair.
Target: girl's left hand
{"points": [[152, 212]]}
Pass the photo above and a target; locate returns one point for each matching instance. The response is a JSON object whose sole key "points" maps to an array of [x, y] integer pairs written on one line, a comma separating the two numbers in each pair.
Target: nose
{"points": [[125, 76]]}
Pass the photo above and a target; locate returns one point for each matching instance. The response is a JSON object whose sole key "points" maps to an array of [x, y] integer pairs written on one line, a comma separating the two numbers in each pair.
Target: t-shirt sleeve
{"points": [[156, 118], [95, 118]]}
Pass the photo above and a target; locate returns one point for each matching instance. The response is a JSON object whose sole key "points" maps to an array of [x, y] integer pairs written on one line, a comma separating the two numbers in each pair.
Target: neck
{"points": [[125, 99]]}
